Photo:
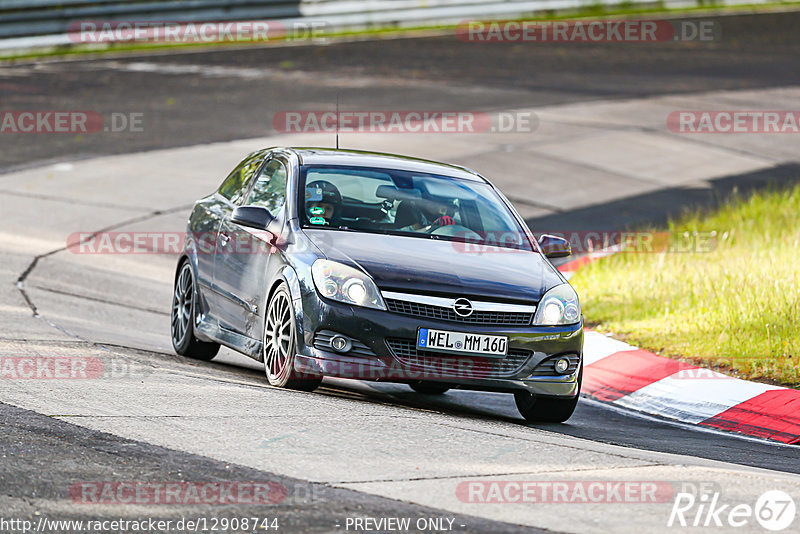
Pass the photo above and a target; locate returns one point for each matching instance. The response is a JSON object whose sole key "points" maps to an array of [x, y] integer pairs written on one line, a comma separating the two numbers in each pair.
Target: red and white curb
{"points": [[623, 375]]}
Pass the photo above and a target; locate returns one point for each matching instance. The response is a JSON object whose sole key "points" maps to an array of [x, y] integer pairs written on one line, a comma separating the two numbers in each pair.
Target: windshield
{"points": [[406, 203]]}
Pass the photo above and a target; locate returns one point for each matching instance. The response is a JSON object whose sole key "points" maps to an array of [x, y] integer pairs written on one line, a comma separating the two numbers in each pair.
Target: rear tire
{"points": [[280, 344], [429, 388], [184, 317], [547, 409]]}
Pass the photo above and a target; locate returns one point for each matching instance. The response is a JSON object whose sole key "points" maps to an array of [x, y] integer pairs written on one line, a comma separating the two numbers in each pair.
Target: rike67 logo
{"points": [[774, 510]]}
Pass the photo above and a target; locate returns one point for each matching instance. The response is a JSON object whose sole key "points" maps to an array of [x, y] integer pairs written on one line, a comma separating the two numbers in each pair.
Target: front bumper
{"points": [[374, 359]]}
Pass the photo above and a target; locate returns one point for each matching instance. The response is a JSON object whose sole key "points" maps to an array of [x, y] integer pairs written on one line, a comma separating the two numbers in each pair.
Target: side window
{"points": [[235, 184], [269, 190]]}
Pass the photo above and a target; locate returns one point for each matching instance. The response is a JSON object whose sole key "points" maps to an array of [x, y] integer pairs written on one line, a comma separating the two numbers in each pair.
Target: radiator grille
{"points": [[429, 311]]}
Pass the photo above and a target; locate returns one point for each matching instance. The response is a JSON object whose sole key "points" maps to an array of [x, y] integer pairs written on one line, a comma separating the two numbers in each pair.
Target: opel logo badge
{"points": [[462, 307]]}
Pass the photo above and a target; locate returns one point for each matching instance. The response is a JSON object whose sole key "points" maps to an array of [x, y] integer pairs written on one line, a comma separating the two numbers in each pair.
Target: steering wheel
{"points": [[454, 229]]}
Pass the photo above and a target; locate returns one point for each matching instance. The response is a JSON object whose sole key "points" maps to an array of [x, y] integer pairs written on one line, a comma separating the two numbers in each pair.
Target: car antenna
{"points": [[337, 121]]}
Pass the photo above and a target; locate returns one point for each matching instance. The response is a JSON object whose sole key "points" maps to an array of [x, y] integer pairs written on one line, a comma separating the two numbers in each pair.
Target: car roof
{"points": [[360, 158]]}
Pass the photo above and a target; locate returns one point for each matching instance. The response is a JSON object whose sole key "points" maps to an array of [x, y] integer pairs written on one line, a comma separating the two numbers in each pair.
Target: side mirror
{"points": [[252, 216], [554, 247]]}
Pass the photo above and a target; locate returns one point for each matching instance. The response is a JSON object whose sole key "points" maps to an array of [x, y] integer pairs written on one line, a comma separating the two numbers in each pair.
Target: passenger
{"points": [[323, 203]]}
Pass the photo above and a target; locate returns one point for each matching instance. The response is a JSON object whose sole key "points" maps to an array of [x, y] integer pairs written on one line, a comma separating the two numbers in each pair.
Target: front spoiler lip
{"points": [[324, 363]]}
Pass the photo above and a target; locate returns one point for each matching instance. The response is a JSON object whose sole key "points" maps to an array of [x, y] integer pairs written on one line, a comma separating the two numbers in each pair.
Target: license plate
{"points": [[444, 341]]}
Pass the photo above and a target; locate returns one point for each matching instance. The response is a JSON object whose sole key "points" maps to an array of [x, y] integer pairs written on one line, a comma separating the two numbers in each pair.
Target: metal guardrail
{"points": [[406, 12], [24, 18], [36, 23], [19, 18]]}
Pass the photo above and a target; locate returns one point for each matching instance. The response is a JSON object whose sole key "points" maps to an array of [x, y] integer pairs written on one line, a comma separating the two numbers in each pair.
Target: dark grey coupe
{"points": [[323, 262]]}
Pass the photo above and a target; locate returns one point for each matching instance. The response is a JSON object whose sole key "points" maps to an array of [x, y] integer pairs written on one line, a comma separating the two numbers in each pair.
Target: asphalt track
{"points": [[206, 105], [366, 449]]}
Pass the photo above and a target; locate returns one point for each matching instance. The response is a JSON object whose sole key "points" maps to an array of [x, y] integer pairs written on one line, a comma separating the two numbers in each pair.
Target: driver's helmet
{"points": [[435, 207], [322, 202]]}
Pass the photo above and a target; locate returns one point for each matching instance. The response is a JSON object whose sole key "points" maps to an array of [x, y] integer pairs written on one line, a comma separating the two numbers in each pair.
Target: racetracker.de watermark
{"points": [[699, 373], [174, 32], [563, 492], [69, 122], [435, 366], [154, 242], [70, 368], [178, 493], [588, 31], [405, 121], [586, 241], [734, 121], [465, 242]]}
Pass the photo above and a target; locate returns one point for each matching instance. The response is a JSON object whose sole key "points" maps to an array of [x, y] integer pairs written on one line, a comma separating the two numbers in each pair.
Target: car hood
{"points": [[419, 265]]}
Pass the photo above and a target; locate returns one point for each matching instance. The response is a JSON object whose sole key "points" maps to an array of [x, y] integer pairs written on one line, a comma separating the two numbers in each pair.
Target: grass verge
{"points": [[735, 308]]}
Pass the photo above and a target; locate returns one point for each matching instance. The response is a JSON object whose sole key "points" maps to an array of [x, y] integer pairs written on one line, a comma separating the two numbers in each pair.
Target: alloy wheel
{"points": [[182, 301], [278, 339]]}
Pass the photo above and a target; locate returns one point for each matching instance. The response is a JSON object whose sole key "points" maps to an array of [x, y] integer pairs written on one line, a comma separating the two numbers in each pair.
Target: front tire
{"points": [[547, 409], [184, 306], [280, 344]]}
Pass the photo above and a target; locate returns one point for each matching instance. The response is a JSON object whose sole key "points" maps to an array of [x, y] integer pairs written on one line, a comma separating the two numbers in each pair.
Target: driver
{"points": [[323, 203], [422, 211], [439, 211]]}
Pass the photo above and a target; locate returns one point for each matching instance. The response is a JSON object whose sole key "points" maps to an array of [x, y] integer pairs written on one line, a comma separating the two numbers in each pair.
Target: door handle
{"points": [[224, 238]]}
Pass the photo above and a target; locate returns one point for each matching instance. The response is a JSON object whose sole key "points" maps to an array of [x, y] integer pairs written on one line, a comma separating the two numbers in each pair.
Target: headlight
{"points": [[558, 306], [340, 282]]}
